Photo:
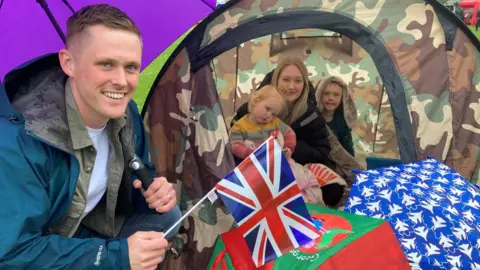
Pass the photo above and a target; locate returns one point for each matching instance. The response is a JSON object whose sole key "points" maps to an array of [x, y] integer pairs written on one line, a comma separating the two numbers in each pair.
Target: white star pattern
{"points": [[355, 201], [416, 217], [432, 249], [439, 188], [429, 204], [434, 212], [386, 194], [374, 206], [453, 200], [438, 223], [445, 242], [409, 243], [401, 226], [408, 200]]}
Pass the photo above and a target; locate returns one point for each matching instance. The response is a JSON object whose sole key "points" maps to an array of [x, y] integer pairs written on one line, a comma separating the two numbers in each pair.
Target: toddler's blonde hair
{"points": [[264, 93]]}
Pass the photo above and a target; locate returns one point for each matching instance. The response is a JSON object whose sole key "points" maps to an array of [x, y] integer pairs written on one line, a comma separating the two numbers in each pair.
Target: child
{"points": [[336, 104], [250, 131]]}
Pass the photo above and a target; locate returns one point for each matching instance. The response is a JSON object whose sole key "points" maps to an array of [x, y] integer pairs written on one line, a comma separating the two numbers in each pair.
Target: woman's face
{"points": [[291, 82]]}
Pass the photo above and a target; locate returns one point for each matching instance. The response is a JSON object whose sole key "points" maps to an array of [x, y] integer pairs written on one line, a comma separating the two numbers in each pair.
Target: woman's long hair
{"points": [[300, 105]]}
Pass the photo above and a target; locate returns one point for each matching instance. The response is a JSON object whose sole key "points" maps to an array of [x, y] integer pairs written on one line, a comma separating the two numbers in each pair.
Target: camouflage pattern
{"points": [[441, 87], [188, 130], [188, 146], [325, 53]]}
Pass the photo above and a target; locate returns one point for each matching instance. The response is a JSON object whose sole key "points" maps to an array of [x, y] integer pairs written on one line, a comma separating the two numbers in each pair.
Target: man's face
{"points": [[104, 69]]}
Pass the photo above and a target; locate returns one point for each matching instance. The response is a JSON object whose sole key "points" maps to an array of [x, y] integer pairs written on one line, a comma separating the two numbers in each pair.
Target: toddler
{"points": [[262, 121]]}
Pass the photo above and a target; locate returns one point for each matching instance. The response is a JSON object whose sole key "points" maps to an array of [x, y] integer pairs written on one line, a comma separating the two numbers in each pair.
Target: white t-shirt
{"points": [[99, 179]]}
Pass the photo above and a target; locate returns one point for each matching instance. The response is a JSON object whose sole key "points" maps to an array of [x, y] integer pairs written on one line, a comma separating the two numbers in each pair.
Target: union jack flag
{"points": [[265, 201]]}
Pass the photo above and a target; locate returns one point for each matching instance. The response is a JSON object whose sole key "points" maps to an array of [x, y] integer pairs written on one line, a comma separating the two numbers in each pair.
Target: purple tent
{"points": [[27, 32]]}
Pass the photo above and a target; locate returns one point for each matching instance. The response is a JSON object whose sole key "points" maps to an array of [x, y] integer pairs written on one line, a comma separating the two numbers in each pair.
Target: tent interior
{"points": [[411, 66], [239, 71], [217, 66]]}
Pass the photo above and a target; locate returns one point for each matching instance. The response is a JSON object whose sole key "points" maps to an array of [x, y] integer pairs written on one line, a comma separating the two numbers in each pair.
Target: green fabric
{"points": [[296, 259], [360, 226], [219, 247]]}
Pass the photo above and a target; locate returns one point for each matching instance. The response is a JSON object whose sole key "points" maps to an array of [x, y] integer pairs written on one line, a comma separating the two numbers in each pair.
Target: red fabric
{"points": [[323, 174], [468, 3], [238, 252], [378, 249], [475, 4], [220, 261]]}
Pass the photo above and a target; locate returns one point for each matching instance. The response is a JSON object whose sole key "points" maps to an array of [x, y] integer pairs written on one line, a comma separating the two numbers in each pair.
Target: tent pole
{"points": [[378, 118], [44, 5], [237, 57]]}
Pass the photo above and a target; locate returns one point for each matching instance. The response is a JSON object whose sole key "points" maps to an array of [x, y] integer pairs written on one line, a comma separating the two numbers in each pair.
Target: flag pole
{"points": [[189, 212]]}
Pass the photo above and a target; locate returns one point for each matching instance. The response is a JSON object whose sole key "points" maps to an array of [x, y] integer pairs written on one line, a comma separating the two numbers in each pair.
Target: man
{"points": [[68, 130]]}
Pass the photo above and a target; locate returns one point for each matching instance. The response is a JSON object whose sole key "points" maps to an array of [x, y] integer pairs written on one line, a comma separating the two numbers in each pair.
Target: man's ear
{"points": [[66, 62]]}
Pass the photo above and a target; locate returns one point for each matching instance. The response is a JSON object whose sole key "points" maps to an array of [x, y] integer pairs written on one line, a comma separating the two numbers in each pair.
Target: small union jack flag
{"points": [[265, 201]]}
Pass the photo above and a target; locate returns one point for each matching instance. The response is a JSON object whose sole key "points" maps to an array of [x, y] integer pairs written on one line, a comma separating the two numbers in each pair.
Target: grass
{"points": [[477, 33]]}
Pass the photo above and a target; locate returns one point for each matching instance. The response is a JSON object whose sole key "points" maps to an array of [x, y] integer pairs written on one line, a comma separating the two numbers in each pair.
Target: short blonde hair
{"points": [[301, 103], [264, 93]]}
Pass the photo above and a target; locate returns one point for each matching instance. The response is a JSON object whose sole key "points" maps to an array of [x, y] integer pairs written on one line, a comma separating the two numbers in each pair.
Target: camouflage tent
{"points": [[424, 56], [240, 70]]}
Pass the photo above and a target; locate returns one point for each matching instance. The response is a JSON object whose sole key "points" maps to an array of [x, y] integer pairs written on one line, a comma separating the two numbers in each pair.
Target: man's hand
{"points": [[146, 250], [160, 195], [288, 152]]}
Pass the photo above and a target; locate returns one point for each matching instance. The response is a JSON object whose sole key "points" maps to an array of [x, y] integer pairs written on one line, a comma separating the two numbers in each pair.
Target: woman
{"points": [[291, 77], [335, 102]]}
